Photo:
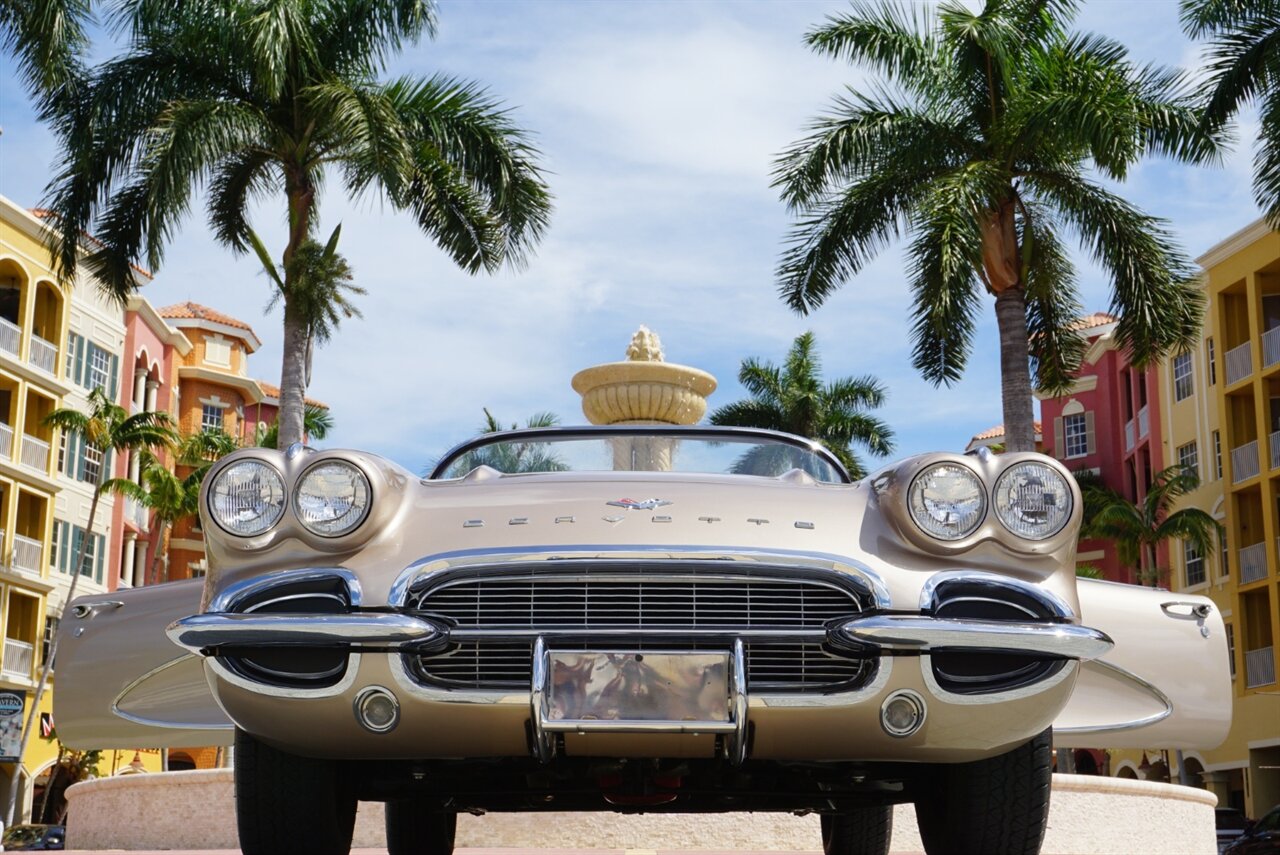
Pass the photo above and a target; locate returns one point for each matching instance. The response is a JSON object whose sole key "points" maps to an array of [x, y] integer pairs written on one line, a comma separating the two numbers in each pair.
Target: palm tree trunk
{"points": [[47, 667], [162, 551], [1015, 371], [301, 194]]}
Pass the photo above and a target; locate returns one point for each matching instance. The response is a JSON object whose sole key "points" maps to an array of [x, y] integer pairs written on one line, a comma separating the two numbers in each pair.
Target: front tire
{"points": [[290, 804], [858, 831], [414, 830], [1000, 804]]}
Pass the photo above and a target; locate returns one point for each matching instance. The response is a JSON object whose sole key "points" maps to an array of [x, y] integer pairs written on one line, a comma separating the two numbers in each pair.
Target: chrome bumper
{"points": [[897, 634]]}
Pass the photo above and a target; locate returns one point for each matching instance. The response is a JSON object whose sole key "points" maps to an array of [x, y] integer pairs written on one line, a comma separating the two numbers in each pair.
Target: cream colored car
{"points": [[641, 619]]}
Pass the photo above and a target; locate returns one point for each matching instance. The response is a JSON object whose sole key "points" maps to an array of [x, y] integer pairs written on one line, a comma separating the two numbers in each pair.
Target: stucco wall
{"points": [[196, 810]]}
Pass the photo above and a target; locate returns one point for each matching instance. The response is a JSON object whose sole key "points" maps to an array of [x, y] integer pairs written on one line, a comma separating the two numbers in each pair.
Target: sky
{"points": [[658, 123]]}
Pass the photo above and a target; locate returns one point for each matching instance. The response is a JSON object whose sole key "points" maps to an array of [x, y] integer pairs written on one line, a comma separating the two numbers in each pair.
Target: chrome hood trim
{"points": [[913, 634], [200, 632]]}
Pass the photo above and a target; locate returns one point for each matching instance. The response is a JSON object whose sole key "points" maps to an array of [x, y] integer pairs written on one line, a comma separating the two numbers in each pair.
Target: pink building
{"points": [[1108, 424]]}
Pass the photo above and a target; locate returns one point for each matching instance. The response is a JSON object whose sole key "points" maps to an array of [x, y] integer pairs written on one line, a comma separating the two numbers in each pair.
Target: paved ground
{"points": [[459, 852]]}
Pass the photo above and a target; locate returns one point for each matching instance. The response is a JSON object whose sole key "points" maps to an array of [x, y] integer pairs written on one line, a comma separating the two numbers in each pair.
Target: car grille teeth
{"points": [[601, 610]]}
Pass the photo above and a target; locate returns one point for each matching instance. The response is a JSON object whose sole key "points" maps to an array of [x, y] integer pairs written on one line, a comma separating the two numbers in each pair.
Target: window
{"points": [[1217, 454], [210, 417], [1189, 458], [53, 543], [50, 631], [62, 453], [1076, 434], [92, 464], [1231, 649], [217, 351], [99, 370], [1182, 387], [1226, 563], [1213, 366], [1195, 563]]}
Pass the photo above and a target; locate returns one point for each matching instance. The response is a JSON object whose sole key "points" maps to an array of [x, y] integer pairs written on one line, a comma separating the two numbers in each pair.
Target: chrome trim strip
{"points": [[737, 747], [618, 554], [341, 687], [994, 601], [544, 743], [290, 597], [137, 719], [198, 632], [746, 633], [1068, 670], [1057, 606], [234, 593], [1134, 723], [922, 634]]}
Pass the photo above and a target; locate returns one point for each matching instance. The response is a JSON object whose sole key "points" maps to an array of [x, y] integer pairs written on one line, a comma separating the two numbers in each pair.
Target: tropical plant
{"points": [[1138, 529], [169, 496], [514, 456], [317, 421], [106, 427], [322, 291], [1243, 65], [794, 399], [47, 39], [986, 141], [254, 100]]}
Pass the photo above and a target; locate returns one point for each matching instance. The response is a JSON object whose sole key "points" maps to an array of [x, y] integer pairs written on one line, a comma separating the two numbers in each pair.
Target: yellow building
{"points": [[1221, 416], [34, 317]]}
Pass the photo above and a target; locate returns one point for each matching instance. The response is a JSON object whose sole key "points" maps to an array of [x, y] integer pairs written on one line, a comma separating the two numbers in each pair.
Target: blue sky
{"points": [[658, 122]]}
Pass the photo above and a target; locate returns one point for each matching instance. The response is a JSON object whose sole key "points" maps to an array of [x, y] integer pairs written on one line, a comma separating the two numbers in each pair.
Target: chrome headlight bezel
{"points": [[1013, 518], [920, 513], [362, 481], [276, 505]]}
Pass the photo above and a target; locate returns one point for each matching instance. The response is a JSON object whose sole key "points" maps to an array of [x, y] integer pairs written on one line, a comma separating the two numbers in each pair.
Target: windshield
{"points": [[759, 453]]}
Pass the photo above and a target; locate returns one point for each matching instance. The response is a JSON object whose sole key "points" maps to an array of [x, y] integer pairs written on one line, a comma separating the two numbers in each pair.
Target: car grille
{"points": [[665, 609]]}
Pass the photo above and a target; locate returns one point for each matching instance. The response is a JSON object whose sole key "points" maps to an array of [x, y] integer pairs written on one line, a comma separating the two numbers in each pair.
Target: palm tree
{"points": [[1138, 529], [107, 427], [169, 496], [980, 143], [514, 457], [794, 399], [1242, 62], [316, 423], [253, 100], [47, 39]]}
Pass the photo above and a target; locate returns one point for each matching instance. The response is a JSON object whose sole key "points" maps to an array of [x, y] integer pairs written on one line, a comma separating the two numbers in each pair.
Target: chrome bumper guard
{"points": [[360, 630], [915, 634]]}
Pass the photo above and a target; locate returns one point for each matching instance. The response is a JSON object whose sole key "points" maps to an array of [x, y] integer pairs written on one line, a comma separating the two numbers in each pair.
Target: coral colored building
{"points": [[1108, 424]]}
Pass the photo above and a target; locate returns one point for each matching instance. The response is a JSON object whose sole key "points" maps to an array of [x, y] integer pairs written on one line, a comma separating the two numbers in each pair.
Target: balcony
{"points": [[1128, 435], [1274, 442], [1239, 362], [6, 440], [44, 355], [27, 553], [19, 659], [1244, 462], [1253, 563], [1271, 347], [137, 513], [1144, 422], [35, 453], [1259, 666], [10, 337]]}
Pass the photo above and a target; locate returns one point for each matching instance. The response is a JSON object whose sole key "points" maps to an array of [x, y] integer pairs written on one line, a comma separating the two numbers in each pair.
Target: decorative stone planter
{"points": [[1089, 816], [644, 389]]}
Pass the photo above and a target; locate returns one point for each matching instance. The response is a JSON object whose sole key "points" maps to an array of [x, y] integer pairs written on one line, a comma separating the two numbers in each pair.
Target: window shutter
{"points": [[64, 546], [99, 557], [106, 462], [1091, 444], [80, 458], [79, 373], [113, 391], [1059, 446], [77, 538]]}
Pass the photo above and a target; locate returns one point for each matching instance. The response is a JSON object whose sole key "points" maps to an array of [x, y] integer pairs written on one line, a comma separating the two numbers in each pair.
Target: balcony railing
{"points": [[10, 336], [1144, 422], [1239, 362], [35, 453], [27, 553], [1244, 462], [1259, 666], [1271, 347], [44, 355], [1274, 442], [1128, 435], [19, 659], [1253, 563], [6, 440], [137, 513]]}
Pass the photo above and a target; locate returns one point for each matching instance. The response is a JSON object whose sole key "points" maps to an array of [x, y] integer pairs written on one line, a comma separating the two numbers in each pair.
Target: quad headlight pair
{"points": [[331, 498], [949, 501]]}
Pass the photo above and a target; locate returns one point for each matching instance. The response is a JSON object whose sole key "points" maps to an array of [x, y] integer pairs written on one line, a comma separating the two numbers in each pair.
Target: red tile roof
{"points": [[195, 311], [1097, 319], [998, 431], [45, 214], [274, 392]]}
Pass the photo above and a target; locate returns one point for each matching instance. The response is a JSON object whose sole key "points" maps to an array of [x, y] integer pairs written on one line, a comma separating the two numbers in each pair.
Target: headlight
{"points": [[247, 498], [1033, 500], [947, 501], [332, 498]]}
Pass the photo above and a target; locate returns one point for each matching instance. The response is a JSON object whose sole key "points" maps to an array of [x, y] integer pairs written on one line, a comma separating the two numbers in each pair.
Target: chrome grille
{"points": [[574, 605]]}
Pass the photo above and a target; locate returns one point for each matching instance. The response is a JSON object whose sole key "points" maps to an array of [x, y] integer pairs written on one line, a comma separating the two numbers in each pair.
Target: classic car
{"points": [[641, 619]]}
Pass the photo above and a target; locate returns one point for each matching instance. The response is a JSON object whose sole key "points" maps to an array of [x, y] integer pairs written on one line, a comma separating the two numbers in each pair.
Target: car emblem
{"points": [[638, 504], [614, 520]]}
